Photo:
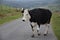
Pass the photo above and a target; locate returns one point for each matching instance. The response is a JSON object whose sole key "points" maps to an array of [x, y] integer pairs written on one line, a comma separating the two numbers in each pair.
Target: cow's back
{"points": [[40, 15]]}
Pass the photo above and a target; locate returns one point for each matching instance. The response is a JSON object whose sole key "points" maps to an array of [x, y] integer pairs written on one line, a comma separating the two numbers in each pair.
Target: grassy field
{"points": [[8, 14], [56, 24]]}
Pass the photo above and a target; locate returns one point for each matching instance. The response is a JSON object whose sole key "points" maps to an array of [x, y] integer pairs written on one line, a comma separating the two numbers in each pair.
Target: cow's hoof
{"points": [[38, 34], [32, 36], [45, 34]]}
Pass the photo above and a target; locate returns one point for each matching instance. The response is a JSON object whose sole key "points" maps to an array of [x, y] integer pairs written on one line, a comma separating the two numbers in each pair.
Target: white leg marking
{"points": [[34, 25], [46, 30], [38, 28], [48, 25]]}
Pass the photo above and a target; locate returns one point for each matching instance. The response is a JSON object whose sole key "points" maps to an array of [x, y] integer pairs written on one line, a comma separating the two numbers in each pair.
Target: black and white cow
{"points": [[37, 17]]}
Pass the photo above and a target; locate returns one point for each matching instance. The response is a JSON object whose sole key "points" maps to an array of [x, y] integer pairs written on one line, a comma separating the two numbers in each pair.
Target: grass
{"points": [[8, 13], [56, 24]]}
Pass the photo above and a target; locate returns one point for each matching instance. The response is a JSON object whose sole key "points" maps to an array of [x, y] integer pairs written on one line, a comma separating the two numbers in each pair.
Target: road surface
{"points": [[18, 30]]}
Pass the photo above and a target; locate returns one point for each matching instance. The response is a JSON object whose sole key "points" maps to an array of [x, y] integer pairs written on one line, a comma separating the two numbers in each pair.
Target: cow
{"points": [[36, 17]]}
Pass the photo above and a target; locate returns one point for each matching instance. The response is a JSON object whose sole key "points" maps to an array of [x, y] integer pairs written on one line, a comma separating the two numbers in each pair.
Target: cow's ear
{"points": [[22, 10]]}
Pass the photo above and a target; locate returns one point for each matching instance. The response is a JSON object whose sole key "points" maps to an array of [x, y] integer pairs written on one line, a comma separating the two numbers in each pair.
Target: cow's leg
{"points": [[32, 30], [32, 26], [46, 30], [38, 28]]}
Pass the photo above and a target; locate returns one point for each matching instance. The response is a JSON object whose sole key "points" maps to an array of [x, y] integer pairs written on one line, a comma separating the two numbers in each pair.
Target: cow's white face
{"points": [[26, 15]]}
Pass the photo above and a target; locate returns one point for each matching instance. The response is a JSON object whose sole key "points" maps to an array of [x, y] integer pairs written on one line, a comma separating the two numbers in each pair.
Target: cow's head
{"points": [[26, 15]]}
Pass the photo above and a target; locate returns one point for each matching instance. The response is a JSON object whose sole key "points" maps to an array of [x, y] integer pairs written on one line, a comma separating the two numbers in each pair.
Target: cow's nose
{"points": [[23, 20]]}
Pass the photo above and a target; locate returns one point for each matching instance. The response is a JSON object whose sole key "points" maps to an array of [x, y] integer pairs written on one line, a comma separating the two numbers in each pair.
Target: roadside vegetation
{"points": [[8, 13], [56, 21], [56, 24]]}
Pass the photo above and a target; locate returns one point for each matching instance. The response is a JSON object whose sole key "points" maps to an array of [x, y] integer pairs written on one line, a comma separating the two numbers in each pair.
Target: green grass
{"points": [[56, 24], [8, 13]]}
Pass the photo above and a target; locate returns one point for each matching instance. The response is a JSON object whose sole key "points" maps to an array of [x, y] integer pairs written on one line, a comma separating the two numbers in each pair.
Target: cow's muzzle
{"points": [[23, 20]]}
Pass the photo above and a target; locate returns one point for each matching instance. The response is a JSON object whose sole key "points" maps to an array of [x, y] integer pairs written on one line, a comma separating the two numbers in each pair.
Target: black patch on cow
{"points": [[22, 11], [39, 15]]}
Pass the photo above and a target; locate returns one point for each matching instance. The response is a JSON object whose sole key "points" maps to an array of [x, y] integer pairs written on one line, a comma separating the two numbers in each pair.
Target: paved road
{"points": [[18, 30]]}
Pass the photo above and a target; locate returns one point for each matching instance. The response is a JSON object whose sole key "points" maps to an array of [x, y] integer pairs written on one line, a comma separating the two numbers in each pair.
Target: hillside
{"points": [[8, 13], [54, 8]]}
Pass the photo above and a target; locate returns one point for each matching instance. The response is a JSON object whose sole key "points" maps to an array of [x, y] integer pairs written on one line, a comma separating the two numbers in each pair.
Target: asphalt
{"points": [[18, 30]]}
